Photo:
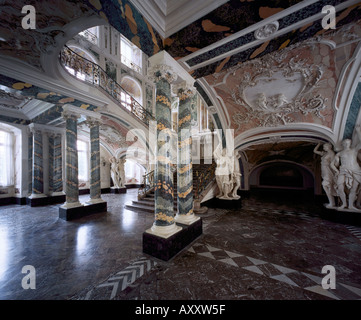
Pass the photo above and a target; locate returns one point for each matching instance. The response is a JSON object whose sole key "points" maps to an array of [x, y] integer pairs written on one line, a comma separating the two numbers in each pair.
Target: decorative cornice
{"points": [[41, 128], [76, 112]]}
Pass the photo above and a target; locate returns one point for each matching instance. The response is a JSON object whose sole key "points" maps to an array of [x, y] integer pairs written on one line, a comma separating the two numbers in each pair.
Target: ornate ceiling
{"points": [[262, 67]]}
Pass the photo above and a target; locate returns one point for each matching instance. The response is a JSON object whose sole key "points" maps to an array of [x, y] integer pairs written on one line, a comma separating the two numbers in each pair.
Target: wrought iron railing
{"points": [[203, 176], [147, 185], [92, 73]]}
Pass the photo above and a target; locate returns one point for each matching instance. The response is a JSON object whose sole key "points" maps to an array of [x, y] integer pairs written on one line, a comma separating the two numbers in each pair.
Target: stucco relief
{"points": [[29, 45], [293, 85]]}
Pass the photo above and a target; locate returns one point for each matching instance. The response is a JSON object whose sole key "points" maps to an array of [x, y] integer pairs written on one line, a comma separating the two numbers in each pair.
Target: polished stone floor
{"points": [[269, 249]]}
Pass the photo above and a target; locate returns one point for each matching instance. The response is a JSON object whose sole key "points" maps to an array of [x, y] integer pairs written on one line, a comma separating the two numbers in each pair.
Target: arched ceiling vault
{"points": [[309, 75]]}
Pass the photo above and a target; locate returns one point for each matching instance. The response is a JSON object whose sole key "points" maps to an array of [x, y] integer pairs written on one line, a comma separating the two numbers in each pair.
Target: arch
{"points": [[133, 87], [69, 31], [83, 52], [282, 174]]}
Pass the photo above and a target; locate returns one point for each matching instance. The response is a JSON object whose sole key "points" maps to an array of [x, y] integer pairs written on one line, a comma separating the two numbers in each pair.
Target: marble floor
{"points": [[268, 250]]}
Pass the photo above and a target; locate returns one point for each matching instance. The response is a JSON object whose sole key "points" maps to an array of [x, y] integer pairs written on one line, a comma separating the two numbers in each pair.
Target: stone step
{"points": [[142, 208], [146, 203], [139, 208]]}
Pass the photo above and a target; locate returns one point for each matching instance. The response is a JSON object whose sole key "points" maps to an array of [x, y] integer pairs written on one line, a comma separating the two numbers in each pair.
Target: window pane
{"points": [[6, 159], [83, 160]]}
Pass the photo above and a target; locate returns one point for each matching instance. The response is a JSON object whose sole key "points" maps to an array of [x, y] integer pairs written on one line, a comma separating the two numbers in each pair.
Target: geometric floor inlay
{"points": [[119, 281], [295, 278], [356, 231]]}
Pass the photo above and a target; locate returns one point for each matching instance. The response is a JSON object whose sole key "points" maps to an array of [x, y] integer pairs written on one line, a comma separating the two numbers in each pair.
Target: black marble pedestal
{"points": [[44, 201], [341, 216], [233, 204], [118, 190], [166, 248], [79, 212]]}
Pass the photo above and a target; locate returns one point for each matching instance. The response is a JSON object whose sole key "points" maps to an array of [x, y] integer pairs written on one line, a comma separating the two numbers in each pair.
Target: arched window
{"points": [[133, 88], [133, 172], [83, 160], [130, 54], [6, 158]]}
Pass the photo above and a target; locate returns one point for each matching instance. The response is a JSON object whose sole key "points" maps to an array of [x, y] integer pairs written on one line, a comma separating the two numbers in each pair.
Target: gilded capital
{"points": [[162, 72]]}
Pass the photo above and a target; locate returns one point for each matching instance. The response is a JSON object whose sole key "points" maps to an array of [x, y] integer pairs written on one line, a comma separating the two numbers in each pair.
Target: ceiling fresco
{"points": [[124, 17], [300, 34], [297, 84], [242, 49], [28, 45]]}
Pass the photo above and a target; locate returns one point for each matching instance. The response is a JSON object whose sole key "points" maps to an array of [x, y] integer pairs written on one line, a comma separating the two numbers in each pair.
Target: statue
{"points": [[328, 176], [227, 174], [114, 172], [348, 172], [121, 172], [222, 171], [236, 175]]}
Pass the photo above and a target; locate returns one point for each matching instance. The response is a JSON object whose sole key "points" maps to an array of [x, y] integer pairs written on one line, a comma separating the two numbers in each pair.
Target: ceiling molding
{"points": [[185, 61], [170, 16]]}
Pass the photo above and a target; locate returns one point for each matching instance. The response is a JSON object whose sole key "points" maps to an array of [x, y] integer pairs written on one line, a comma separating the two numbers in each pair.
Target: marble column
{"points": [[55, 164], [164, 224], [71, 161], [185, 212], [37, 164], [30, 163], [95, 190]]}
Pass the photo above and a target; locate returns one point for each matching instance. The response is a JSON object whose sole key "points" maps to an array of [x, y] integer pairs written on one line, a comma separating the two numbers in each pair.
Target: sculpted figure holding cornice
{"points": [[348, 172]]}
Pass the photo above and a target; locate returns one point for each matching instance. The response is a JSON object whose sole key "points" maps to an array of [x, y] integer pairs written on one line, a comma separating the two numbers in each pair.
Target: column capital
{"points": [[35, 130], [162, 71], [184, 90], [92, 122], [66, 114]]}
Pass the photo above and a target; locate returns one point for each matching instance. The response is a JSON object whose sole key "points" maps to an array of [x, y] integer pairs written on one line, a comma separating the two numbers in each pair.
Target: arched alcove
{"points": [[281, 175], [133, 87]]}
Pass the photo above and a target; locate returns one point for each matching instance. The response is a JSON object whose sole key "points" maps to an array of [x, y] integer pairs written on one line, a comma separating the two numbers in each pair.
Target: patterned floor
{"points": [[304, 280], [265, 250]]}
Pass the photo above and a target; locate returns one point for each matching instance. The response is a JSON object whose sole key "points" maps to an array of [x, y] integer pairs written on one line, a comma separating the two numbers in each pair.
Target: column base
{"points": [[186, 219], [75, 212], [93, 201], [165, 248], [45, 200], [118, 190], [37, 195]]}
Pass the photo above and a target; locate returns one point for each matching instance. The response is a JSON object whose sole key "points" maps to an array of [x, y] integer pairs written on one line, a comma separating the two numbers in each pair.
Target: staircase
{"points": [[203, 176], [147, 204]]}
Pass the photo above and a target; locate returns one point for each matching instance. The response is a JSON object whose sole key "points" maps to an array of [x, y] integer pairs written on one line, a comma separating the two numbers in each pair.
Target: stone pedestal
{"points": [[343, 216], [73, 213], [45, 200], [166, 248], [118, 190]]}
